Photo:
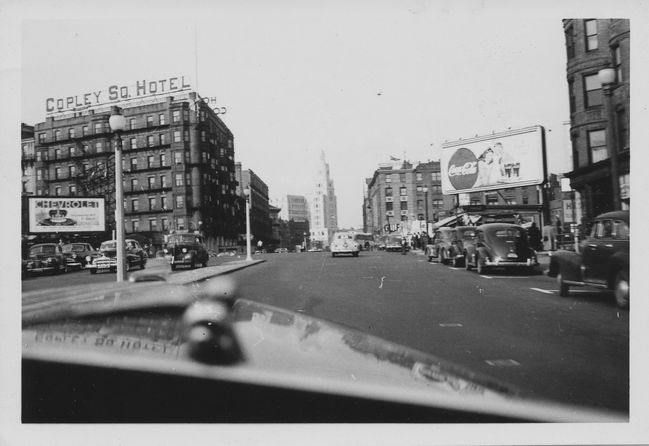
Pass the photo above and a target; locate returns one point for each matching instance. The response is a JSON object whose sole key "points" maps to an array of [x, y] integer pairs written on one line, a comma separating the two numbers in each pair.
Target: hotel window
{"points": [[133, 164], [420, 204], [403, 191], [72, 151], [41, 137], [57, 135], [85, 149], [388, 178], [57, 173], [73, 190], [163, 202], [475, 201], [188, 179], [402, 177], [436, 176], [57, 154], [203, 136], [177, 136], [175, 116], [71, 133], [39, 175], [437, 203], [84, 130], [135, 205], [161, 118], [435, 189], [591, 34], [163, 181], [151, 203], [151, 182], [149, 161], [39, 156], [72, 170], [136, 225], [133, 184], [150, 140], [57, 191], [178, 179], [597, 145], [180, 201], [84, 167], [388, 206], [491, 198], [164, 224], [592, 90], [178, 157], [163, 138], [99, 127], [153, 224], [186, 135], [617, 60], [388, 191], [99, 146], [149, 121], [185, 115], [133, 143], [180, 223], [404, 205], [418, 176], [131, 123]]}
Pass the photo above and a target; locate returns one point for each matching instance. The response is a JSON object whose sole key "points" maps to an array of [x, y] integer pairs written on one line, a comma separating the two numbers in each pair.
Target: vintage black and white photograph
{"points": [[391, 222]]}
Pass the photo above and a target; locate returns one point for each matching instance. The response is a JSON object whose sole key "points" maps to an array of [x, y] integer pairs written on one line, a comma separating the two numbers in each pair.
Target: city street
{"points": [[507, 324], [510, 326]]}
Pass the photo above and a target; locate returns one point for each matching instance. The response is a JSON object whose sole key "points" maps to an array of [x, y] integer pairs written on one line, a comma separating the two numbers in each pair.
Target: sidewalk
{"points": [[161, 269]]}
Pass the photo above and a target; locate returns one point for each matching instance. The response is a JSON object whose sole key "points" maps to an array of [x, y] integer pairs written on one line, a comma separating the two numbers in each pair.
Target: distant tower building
{"points": [[323, 203]]}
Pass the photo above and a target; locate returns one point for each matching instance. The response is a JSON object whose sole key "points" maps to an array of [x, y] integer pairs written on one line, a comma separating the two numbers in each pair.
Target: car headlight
{"points": [[49, 260], [165, 251], [184, 250], [88, 258]]}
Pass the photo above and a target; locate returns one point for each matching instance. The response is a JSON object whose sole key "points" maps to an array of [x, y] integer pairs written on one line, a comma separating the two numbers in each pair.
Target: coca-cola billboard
{"points": [[497, 161]]}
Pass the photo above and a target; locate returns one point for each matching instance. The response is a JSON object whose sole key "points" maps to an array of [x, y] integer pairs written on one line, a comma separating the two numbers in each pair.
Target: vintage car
{"points": [[395, 243], [159, 352], [106, 259], [602, 260], [344, 243], [447, 244], [501, 245], [76, 253], [186, 249], [45, 258]]}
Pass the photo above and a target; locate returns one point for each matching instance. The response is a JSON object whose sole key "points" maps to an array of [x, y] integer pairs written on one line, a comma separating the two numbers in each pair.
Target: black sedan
{"points": [[186, 249], [499, 245]]}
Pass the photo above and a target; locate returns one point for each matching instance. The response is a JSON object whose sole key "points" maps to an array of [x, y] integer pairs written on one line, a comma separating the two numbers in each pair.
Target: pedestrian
{"points": [[534, 235]]}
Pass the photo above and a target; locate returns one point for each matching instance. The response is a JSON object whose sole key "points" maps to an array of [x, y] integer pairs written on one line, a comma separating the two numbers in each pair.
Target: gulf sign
{"points": [[117, 93], [66, 214], [497, 161]]}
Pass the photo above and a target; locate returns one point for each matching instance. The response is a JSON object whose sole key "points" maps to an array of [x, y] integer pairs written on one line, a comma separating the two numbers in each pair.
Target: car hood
{"points": [[277, 348]]}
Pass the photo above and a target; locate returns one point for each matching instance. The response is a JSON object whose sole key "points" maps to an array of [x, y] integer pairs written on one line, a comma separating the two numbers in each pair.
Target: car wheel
{"points": [[621, 288], [455, 262], [564, 288], [173, 267], [193, 264], [443, 257], [480, 266], [467, 264]]}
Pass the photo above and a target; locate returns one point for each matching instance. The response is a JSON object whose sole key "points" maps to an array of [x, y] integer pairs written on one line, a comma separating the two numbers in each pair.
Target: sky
{"points": [[357, 82]]}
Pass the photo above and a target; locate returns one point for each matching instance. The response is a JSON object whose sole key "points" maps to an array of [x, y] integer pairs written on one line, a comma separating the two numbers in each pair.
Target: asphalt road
{"points": [[511, 326]]}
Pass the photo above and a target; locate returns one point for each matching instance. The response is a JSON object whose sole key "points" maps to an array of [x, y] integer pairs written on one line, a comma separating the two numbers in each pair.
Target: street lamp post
{"points": [[426, 201], [247, 194], [117, 123], [607, 78]]}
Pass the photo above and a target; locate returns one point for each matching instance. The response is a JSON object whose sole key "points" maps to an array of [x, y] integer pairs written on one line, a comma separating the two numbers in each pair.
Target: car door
{"points": [[596, 251]]}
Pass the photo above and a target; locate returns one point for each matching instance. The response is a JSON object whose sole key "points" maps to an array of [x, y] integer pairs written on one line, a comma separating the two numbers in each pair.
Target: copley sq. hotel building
{"points": [[178, 158]]}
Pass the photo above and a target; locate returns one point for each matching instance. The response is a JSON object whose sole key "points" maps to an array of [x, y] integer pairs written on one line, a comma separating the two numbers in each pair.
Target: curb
{"points": [[197, 275]]}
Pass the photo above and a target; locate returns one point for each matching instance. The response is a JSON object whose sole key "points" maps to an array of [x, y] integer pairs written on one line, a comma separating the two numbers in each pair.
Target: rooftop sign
{"points": [[117, 93]]}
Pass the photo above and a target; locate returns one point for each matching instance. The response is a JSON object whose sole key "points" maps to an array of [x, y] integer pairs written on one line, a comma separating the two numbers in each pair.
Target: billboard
{"points": [[500, 160], [66, 214]]}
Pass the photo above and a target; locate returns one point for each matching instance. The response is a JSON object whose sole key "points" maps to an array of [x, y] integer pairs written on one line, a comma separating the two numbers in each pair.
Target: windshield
{"points": [[332, 162]]}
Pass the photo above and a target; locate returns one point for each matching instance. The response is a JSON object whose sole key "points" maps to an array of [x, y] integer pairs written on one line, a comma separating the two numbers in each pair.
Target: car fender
{"points": [[617, 262], [568, 263]]}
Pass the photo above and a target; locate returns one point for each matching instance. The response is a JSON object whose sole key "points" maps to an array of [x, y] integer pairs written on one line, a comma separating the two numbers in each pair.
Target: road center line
{"points": [[502, 363], [381, 286], [543, 291]]}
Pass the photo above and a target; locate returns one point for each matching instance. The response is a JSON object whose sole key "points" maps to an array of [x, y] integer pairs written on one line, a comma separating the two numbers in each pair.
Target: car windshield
{"points": [[45, 249], [430, 175], [183, 238]]}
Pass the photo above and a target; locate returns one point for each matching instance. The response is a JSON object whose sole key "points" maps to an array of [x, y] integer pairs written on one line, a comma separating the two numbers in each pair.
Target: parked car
{"points": [[394, 243], [499, 245], [281, 250], [602, 260], [106, 259], [447, 244], [344, 243], [76, 253], [46, 258], [186, 249]]}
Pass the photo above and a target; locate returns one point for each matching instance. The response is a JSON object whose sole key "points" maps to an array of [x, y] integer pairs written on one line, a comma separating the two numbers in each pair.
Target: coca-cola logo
{"points": [[463, 169]]}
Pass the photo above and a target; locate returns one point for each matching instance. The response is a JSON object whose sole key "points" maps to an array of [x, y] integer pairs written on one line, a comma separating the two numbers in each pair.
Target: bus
{"points": [[365, 240]]}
